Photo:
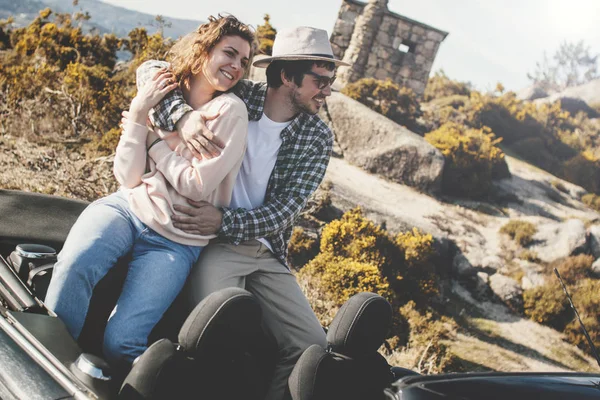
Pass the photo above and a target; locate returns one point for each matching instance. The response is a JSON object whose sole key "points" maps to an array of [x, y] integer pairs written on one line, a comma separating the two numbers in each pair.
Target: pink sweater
{"points": [[171, 175]]}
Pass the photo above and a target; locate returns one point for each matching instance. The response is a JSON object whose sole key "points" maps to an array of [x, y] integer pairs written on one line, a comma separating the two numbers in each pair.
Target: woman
{"points": [[156, 171]]}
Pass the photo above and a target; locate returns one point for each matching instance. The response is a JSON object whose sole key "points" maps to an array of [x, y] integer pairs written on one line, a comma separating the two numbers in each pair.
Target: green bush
{"points": [[398, 103], [585, 298], [547, 305], [265, 34], [471, 157], [574, 269], [520, 231], [545, 135]]}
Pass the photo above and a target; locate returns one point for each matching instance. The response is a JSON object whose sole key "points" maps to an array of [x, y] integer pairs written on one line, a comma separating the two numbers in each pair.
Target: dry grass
{"points": [[56, 170]]}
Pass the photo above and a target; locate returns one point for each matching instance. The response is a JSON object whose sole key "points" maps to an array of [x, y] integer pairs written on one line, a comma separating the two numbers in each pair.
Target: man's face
{"points": [[308, 97]]}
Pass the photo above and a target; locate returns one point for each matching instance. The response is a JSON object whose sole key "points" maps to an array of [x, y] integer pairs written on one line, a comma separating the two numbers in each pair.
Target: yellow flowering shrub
{"points": [[416, 246], [358, 255], [471, 157], [396, 102], [58, 82], [440, 86], [301, 248], [544, 134], [340, 278], [356, 237]]}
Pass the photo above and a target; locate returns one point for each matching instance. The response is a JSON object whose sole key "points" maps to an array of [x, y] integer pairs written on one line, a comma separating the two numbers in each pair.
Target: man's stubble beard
{"points": [[297, 105]]}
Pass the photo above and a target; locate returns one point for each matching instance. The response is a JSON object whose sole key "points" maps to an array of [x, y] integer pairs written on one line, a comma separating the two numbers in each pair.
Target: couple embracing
{"points": [[214, 171]]}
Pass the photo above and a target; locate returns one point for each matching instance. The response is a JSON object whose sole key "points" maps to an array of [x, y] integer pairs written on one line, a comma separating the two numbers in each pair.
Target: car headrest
{"points": [[311, 377], [360, 326], [153, 373], [222, 322], [324, 375]]}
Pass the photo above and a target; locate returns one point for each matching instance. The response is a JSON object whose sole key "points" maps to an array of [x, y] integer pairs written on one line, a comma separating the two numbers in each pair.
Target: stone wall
{"points": [[402, 50]]}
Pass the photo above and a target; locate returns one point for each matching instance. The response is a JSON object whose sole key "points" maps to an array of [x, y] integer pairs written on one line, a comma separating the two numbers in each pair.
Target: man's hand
{"points": [[201, 219], [197, 137]]}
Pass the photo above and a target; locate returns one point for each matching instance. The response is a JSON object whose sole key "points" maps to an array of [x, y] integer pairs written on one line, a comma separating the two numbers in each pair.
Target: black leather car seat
{"points": [[350, 368], [211, 353]]}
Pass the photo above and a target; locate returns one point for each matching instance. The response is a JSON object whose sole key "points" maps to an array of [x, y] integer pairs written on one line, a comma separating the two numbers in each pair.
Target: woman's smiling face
{"points": [[227, 62]]}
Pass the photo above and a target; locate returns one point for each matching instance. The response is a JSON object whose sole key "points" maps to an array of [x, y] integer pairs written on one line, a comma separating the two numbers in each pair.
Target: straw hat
{"points": [[301, 43]]}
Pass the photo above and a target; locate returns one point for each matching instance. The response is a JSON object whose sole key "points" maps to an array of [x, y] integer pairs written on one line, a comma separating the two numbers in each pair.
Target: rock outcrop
{"points": [[508, 290], [594, 234], [375, 143], [573, 99], [557, 240], [571, 104]]}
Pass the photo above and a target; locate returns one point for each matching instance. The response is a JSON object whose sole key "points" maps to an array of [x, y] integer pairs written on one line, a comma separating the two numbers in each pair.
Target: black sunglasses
{"points": [[322, 80]]}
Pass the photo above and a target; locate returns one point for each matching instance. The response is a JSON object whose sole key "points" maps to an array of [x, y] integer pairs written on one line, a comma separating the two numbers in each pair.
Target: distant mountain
{"points": [[105, 17]]}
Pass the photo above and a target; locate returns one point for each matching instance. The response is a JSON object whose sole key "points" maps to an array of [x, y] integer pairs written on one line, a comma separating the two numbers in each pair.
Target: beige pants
{"points": [[287, 315]]}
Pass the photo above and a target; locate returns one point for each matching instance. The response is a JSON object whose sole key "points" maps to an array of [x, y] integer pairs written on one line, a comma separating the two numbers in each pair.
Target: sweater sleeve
{"points": [[130, 157], [172, 107], [194, 178]]}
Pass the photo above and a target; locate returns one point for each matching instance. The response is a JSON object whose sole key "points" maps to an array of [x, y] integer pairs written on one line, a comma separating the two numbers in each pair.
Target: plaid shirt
{"points": [[300, 167]]}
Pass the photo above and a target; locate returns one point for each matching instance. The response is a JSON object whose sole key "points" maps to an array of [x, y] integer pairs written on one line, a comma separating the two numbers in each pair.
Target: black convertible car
{"points": [[215, 352]]}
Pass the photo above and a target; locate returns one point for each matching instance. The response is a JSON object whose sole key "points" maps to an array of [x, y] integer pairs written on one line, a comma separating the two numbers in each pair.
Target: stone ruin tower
{"points": [[381, 44]]}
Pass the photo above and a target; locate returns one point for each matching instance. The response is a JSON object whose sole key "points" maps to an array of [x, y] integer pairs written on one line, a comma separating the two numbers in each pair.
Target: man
{"points": [[287, 155]]}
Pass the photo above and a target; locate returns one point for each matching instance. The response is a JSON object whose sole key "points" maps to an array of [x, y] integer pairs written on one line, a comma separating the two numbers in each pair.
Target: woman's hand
{"points": [[151, 94]]}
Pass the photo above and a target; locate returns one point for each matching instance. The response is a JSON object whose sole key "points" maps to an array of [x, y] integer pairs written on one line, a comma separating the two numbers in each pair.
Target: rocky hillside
{"points": [[481, 261], [489, 271]]}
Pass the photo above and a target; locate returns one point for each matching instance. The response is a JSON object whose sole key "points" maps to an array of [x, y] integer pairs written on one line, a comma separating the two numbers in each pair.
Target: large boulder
{"points": [[461, 267], [596, 268], [531, 92], [508, 290], [571, 104], [577, 98], [588, 92], [595, 240], [379, 145], [533, 274], [558, 240]]}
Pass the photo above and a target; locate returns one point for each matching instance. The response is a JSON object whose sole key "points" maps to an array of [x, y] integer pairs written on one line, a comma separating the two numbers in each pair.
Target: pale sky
{"points": [[490, 40]]}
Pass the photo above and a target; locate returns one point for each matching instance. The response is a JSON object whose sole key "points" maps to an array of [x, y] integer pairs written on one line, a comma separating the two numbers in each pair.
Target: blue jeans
{"points": [[104, 232]]}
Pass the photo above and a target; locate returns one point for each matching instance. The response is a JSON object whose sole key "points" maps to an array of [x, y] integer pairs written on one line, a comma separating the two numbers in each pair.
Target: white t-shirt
{"points": [[264, 140]]}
